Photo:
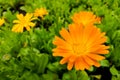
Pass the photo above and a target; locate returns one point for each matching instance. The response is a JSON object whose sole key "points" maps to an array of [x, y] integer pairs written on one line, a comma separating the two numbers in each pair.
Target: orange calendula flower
{"points": [[80, 46], [85, 18], [40, 12], [23, 22], [2, 21]]}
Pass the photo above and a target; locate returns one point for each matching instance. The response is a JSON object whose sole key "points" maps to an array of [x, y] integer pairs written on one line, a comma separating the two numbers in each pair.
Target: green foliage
{"points": [[115, 53], [9, 16], [73, 75], [115, 73], [105, 63], [28, 55], [8, 40]]}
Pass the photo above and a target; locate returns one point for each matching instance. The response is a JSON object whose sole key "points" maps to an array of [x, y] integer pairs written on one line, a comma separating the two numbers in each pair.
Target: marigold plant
{"points": [[40, 12], [85, 18], [80, 46], [23, 22]]}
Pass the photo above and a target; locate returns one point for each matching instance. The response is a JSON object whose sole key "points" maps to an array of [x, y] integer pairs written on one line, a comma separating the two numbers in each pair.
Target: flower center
{"points": [[25, 22], [79, 49]]}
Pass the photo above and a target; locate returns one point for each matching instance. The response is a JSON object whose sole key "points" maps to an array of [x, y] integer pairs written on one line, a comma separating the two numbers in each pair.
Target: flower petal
{"points": [[70, 65], [64, 60], [66, 35], [95, 56]]}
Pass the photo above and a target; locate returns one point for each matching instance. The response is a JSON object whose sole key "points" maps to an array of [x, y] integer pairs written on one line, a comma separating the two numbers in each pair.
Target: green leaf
{"points": [[9, 16], [55, 67], [66, 76], [114, 78], [71, 75], [113, 70], [24, 52], [29, 76], [50, 76], [82, 75], [43, 61], [105, 63]]}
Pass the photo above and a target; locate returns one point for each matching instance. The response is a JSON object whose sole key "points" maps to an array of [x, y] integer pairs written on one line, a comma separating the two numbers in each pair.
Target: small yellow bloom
{"points": [[2, 21], [23, 22], [85, 18], [40, 12]]}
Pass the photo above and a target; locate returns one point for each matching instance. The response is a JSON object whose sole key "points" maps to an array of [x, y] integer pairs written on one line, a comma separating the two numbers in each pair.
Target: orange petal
{"points": [[59, 50], [96, 34], [85, 64], [97, 47], [76, 32], [70, 65], [72, 58], [100, 41], [97, 64], [60, 42], [61, 54], [93, 35], [102, 52], [64, 60], [65, 34], [87, 32], [95, 56], [85, 18], [79, 64], [88, 60]]}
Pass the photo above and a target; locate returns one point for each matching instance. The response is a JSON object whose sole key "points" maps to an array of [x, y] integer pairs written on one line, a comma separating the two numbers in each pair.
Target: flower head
{"points": [[80, 46], [85, 18], [2, 21], [23, 22], [40, 12]]}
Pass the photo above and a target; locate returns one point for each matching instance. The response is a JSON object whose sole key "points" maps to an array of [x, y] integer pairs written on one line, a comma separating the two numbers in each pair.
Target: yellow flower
{"points": [[23, 22], [85, 18], [80, 46], [40, 12], [2, 21]]}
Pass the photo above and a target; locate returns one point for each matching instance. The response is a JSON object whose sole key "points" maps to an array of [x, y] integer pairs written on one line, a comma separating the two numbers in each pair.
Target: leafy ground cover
{"points": [[27, 39]]}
